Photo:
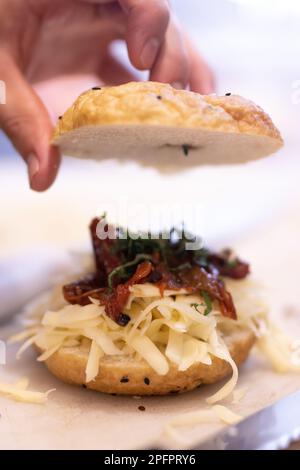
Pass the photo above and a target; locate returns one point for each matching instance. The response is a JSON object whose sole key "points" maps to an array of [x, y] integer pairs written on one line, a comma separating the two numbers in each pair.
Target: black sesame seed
{"points": [[159, 97], [123, 319], [59, 117], [142, 408], [124, 379], [185, 149], [227, 94], [147, 381], [96, 88]]}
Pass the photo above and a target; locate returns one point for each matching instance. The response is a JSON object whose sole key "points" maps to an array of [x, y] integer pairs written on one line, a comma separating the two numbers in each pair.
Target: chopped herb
{"points": [[232, 263], [208, 302], [185, 149], [159, 97], [195, 305], [130, 247], [96, 88], [202, 258], [181, 267], [147, 381], [142, 408], [227, 94], [124, 379], [121, 270]]}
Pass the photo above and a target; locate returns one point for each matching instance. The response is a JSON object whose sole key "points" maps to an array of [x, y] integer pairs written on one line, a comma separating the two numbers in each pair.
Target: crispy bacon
{"points": [[184, 271], [114, 300], [228, 266], [195, 280], [79, 292], [104, 257]]}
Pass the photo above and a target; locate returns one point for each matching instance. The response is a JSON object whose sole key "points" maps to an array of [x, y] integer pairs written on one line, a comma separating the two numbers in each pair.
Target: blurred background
{"points": [[254, 49]]}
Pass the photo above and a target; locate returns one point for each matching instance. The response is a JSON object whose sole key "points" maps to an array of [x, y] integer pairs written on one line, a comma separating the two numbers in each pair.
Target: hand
{"points": [[44, 39]]}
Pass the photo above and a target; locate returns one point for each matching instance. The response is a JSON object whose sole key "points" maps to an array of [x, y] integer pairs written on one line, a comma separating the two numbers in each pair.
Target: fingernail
{"points": [[33, 167], [149, 52], [178, 85]]}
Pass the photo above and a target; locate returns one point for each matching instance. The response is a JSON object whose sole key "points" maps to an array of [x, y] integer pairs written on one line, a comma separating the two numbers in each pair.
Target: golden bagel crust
{"points": [[159, 126], [159, 104], [125, 376]]}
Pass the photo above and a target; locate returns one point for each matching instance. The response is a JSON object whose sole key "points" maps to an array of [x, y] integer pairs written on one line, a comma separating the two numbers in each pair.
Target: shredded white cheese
{"points": [[150, 352], [93, 361], [226, 415], [238, 394], [280, 350], [230, 385], [22, 383], [161, 330], [19, 392], [205, 416]]}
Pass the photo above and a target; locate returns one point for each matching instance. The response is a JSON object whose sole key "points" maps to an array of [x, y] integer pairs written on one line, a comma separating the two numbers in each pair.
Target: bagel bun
{"points": [[124, 375], [160, 126]]}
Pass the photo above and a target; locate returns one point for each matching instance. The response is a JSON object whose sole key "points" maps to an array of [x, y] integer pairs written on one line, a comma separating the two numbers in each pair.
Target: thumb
{"points": [[147, 25], [26, 122]]}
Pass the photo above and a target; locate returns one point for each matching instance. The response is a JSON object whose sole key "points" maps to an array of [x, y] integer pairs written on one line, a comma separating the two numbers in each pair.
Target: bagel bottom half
{"points": [[124, 375]]}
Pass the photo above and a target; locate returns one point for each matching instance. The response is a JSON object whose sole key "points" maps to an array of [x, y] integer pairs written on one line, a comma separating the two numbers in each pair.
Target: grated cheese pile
{"points": [[172, 328]]}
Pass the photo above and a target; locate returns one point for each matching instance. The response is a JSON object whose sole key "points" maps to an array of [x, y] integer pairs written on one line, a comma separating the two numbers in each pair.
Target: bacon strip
{"points": [[186, 273], [114, 301]]}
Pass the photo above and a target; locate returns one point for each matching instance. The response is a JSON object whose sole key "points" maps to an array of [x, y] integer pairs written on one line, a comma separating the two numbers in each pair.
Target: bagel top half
{"points": [[158, 125]]}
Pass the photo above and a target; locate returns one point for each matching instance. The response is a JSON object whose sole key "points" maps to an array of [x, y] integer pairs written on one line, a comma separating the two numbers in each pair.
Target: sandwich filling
{"points": [[153, 300], [164, 263]]}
